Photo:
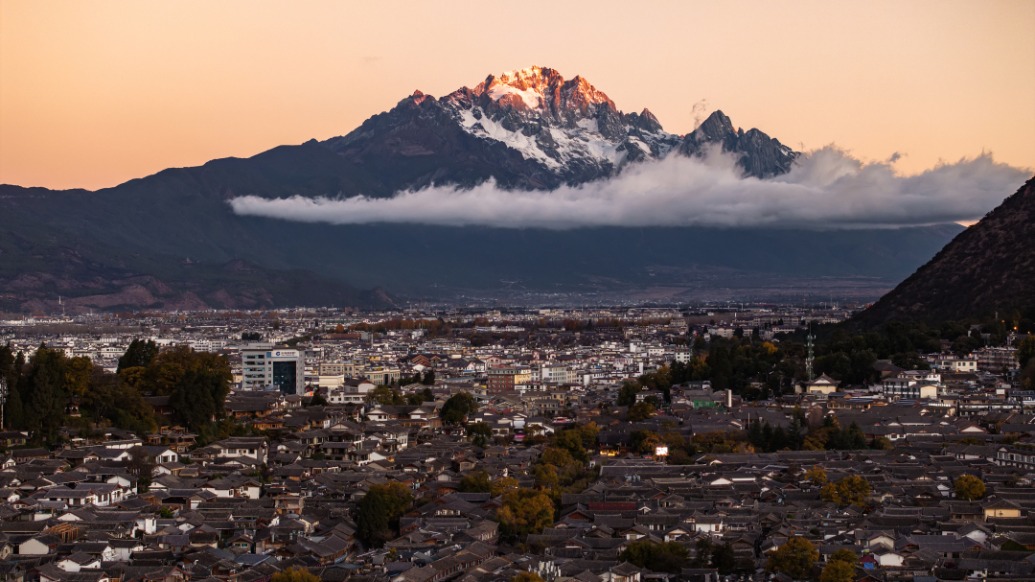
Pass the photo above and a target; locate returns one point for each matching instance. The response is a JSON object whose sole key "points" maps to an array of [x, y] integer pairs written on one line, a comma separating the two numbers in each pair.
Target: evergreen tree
{"points": [[10, 374], [723, 558], [656, 556], [457, 408], [377, 518], [627, 394], [46, 395], [139, 353]]}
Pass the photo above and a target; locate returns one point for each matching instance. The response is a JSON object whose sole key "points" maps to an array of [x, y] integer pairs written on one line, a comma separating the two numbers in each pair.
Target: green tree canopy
{"points": [[457, 408], [140, 353], [657, 556], [377, 518], [110, 399], [295, 574], [1026, 350], [428, 379], [844, 555], [386, 395], [838, 571], [476, 482], [524, 511], [44, 395], [640, 411], [852, 490], [197, 384], [480, 434], [627, 393], [817, 475], [795, 558], [969, 487]]}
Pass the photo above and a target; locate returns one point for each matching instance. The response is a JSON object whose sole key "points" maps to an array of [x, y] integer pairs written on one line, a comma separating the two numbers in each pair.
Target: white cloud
{"points": [[827, 189]]}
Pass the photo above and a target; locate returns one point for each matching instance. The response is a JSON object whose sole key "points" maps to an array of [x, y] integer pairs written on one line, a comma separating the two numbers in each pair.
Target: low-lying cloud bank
{"points": [[827, 189]]}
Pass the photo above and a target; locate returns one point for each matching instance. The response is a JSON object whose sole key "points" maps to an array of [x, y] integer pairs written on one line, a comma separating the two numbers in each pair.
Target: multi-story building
{"points": [[506, 380], [1001, 359], [954, 364], [911, 385], [264, 366]]}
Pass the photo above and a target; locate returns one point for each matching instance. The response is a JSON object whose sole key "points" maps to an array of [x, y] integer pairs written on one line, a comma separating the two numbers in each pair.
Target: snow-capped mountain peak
{"points": [[535, 128], [562, 124]]}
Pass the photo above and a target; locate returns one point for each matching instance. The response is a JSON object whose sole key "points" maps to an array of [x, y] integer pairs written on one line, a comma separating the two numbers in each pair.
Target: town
{"points": [[613, 444]]}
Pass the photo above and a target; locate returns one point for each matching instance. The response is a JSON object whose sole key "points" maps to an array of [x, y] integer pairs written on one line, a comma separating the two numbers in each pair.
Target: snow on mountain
{"points": [[535, 129], [557, 122]]}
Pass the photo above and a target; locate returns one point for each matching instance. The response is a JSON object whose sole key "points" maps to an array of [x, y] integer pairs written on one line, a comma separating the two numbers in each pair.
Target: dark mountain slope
{"points": [[174, 234], [987, 268]]}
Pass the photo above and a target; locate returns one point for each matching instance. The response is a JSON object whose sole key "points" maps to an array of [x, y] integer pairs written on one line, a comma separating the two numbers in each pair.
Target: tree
{"points": [[197, 384], [852, 490], [527, 577], [795, 558], [295, 574], [524, 511], [480, 434], [640, 411], [816, 474], [659, 557], [385, 395], [457, 408], [627, 393], [504, 485], [724, 559], [138, 354], [11, 370], [1028, 375], [476, 482], [377, 518], [193, 400], [45, 395], [78, 372], [969, 487], [574, 441], [1026, 350], [428, 379], [418, 398], [111, 399], [844, 555], [838, 571], [840, 567], [140, 466]]}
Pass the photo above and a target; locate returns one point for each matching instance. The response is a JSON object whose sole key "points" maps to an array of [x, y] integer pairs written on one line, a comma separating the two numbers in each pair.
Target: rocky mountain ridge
{"points": [[564, 131], [171, 240]]}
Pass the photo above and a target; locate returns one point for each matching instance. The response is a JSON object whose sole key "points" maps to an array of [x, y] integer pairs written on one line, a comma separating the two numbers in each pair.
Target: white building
{"points": [[264, 366]]}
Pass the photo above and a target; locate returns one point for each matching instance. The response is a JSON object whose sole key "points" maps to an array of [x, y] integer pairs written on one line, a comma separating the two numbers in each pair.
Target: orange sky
{"points": [[96, 93]]}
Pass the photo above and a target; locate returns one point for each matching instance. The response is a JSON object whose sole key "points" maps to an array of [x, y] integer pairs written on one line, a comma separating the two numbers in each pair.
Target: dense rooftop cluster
{"points": [[544, 445]]}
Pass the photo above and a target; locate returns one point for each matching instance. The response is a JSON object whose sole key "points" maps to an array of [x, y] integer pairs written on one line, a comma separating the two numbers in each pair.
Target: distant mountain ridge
{"points": [[552, 132], [987, 269], [170, 240]]}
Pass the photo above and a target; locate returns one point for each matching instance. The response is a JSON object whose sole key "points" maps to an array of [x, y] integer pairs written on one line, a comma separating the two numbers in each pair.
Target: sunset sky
{"points": [[95, 93]]}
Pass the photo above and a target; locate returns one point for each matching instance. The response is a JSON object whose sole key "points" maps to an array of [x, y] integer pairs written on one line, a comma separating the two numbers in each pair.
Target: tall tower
{"points": [[810, 357]]}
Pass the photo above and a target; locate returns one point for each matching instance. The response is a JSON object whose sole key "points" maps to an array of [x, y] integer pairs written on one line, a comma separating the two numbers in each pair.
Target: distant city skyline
{"points": [[94, 94]]}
